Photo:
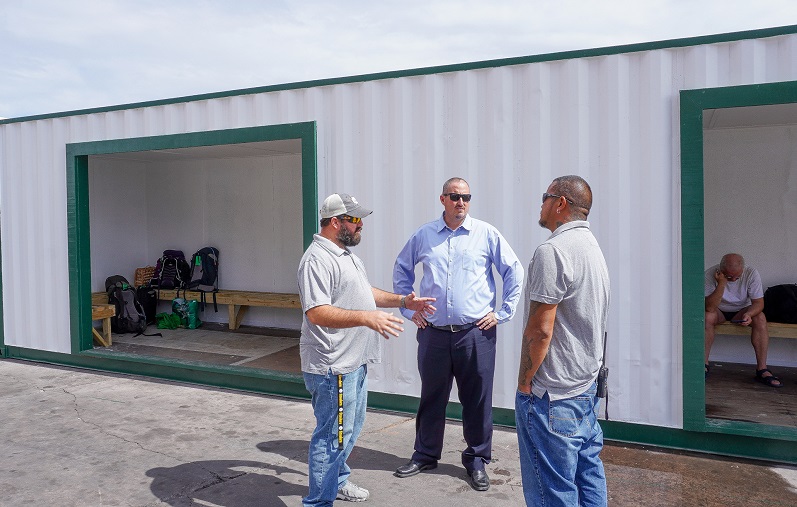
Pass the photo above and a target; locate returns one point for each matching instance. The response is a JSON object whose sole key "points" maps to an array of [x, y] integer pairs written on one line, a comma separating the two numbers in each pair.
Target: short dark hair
{"points": [[578, 191], [325, 221], [451, 181]]}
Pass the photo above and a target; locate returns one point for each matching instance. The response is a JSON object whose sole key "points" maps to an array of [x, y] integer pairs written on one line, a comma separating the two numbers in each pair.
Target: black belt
{"points": [[453, 328]]}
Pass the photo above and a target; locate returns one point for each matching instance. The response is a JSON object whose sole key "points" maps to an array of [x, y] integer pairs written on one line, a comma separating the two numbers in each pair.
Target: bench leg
{"points": [[106, 330], [235, 317], [99, 337]]}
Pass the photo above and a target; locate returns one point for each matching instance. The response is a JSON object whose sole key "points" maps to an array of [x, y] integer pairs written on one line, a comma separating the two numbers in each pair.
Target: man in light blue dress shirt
{"points": [[458, 254]]}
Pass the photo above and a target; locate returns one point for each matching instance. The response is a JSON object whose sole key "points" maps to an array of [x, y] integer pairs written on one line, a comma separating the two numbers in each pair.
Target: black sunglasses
{"points": [[546, 195], [455, 197]]}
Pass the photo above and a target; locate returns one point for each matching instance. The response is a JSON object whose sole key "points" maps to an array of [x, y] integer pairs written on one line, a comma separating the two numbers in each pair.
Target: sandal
{"points": [[770, 380]]}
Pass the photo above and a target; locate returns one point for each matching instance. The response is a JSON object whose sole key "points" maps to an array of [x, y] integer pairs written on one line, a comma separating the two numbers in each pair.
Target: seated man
{"points": [[734, 293]]}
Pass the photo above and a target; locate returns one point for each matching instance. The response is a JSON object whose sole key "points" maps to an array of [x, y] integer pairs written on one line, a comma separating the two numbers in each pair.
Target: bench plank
{"points": [[226, 297], [776, 330], [237, 301], [240, 297]]}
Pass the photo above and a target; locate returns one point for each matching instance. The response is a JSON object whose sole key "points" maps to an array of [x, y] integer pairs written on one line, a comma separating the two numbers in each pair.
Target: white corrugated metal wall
{"points": [[507, 130]]}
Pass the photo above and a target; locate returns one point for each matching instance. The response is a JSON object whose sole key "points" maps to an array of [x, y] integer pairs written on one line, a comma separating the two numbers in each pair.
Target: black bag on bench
{"points": [[148, 297], [780, 303], [205, 274]]}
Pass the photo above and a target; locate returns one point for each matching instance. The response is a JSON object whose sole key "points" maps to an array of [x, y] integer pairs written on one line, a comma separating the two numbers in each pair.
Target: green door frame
{"points": [[693, 103], [82, 352]]}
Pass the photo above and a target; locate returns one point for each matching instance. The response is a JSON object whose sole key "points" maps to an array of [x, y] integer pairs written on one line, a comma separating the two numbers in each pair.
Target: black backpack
{"points": [[780, 303], [148, 297], [130, 317], [205, 273], [171, 271]]}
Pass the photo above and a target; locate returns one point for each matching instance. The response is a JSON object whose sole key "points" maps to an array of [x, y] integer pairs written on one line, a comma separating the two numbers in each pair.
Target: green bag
{"points": [[187, 311], [193, 314], [168, 320]]}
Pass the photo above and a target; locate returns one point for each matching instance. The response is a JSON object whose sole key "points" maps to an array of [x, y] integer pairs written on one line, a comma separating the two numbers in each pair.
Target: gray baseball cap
{"points": [[343, 204]]}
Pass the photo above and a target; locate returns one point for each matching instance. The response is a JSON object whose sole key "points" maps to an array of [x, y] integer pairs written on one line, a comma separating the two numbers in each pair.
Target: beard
{"points": [[349, 238]]}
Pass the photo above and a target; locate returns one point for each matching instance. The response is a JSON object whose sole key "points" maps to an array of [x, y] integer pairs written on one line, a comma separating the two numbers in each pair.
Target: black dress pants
{"points": [[469, 358]]}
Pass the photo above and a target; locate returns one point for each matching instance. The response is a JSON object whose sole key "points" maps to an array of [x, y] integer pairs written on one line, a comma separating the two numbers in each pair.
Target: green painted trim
{"points": [[79, 248], [750, 447], [693, 103], [393, 402], [310, 207], [694, 394], [781, 433], [199, 366], [409, 405], [78, 229], [306, 131], [266, 382], [485, 64], [504, 417]]}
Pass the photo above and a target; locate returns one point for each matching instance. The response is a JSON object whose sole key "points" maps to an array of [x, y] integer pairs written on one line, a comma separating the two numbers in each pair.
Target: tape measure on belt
{"points": [[340, 412]]}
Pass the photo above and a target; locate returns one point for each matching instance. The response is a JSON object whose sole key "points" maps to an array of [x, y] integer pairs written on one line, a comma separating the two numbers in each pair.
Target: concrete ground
{"points": [[78, 438]]}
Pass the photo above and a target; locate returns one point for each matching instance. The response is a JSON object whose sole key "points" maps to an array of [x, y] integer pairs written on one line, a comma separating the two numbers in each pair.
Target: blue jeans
{"points": [[560, 443], [327, 462]]}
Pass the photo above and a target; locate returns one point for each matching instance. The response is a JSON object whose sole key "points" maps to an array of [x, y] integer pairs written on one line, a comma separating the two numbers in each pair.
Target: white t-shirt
{"points": [[737, 294]]}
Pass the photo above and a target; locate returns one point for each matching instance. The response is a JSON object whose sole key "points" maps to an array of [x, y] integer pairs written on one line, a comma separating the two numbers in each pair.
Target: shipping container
{"points": [[689, 146]]}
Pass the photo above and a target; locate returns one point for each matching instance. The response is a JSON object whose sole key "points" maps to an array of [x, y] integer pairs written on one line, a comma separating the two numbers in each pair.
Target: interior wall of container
{"points": [[248, 208]]}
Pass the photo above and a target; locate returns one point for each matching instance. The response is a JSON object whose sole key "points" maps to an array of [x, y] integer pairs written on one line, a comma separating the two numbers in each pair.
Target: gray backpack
{"points": [[205, 274], [129, 316]]}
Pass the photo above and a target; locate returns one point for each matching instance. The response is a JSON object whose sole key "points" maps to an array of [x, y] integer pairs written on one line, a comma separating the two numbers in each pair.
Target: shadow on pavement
{"points": [[230, 483], [242, 483], [361, 458]]}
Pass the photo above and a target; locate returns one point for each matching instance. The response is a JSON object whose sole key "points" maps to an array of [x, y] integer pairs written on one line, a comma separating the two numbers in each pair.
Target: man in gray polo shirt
{"points": [[341, 332], [567, 300]]}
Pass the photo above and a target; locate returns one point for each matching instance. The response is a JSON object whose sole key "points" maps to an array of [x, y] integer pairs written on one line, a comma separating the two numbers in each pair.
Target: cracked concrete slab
{"points": [[79, 438]]}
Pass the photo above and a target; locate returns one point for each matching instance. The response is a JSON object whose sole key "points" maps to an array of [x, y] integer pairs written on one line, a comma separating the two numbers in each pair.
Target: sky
{"points": [[65, 55]]}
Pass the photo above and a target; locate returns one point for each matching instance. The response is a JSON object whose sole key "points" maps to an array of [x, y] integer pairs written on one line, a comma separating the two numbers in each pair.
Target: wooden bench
{"points": [[776, 330], [104, 312], [237, 301]]}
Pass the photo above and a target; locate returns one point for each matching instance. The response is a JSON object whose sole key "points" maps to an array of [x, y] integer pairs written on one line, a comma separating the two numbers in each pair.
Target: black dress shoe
{"points": [[479, 480], [413, 468]]}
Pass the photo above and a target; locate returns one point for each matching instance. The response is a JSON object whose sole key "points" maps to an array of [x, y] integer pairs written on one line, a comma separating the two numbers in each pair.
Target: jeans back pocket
{"points": [[566, 416]]}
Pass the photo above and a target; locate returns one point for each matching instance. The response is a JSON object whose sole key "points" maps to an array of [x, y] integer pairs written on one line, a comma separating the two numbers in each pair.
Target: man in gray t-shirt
{"points": [[567, 301], [734, 293], [341, 332]]}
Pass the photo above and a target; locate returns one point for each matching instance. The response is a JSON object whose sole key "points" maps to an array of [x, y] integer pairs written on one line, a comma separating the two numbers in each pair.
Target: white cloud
{"points": [[59, 56]]}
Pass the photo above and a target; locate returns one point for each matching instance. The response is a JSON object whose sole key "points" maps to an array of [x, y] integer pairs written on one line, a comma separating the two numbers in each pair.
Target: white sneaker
{"points": [[352, 492]]}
